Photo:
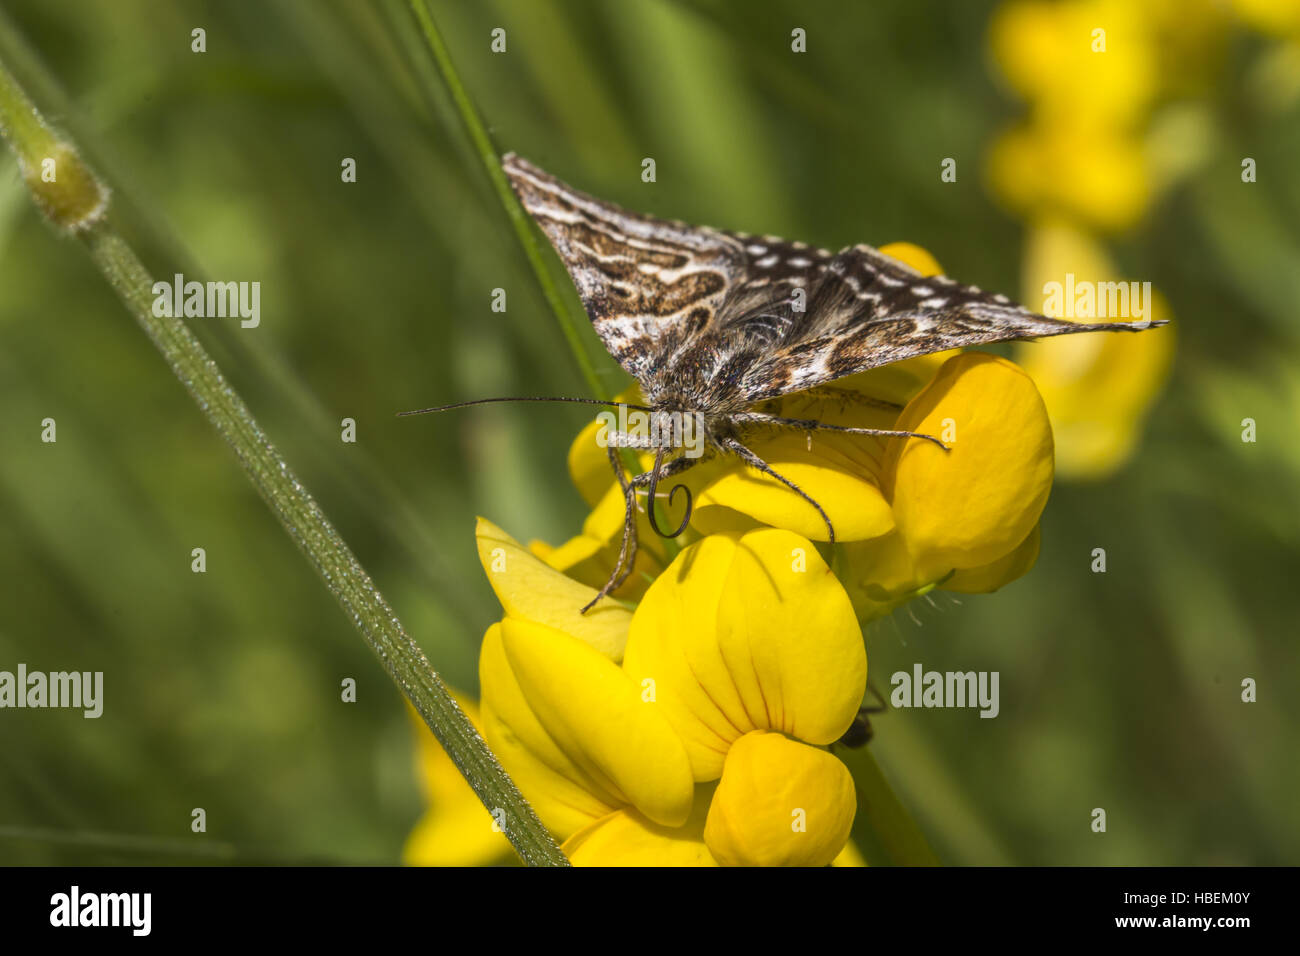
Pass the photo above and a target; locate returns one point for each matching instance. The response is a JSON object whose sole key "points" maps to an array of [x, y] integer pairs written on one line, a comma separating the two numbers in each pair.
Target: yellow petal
{"points": [[531, 590], [589, 465], [707, 519], [672, 644], [845, 490], [973, 504], [780, 803], [879, 575], [1046, 51], [790, 639], [590, 561], [568, 555], [597, 718], [562, 792], [840, 472], [748, 632], [850, 856], [990, 577], [1096, 174], [456, 835], [914, 256], [626, 838]]}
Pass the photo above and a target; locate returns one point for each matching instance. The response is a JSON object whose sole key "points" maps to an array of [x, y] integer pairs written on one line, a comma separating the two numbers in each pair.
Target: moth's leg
{"points": [[811, 424], [860, 731], [879, 707], [627, 551], [846, 397], [614, 462], [753, 460]]}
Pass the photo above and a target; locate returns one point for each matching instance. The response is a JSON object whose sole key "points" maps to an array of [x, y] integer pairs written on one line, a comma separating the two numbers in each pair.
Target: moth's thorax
{"points": [[655, 428], [702, 380]]}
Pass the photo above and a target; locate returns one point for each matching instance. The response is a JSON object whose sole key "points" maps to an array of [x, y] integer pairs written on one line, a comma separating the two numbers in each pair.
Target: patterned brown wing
{"points": [[723, 316], [776, 297], [649, 285], [864, 309]]}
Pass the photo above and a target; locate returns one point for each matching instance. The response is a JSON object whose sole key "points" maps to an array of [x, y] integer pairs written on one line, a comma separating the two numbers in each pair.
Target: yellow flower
{"points": [[965, 519], [582, 722], [1097, 174], [563, 718], [1090, 157], [1089, 71], [725, 638], [741, 663], [1092, 73], [1052, 55]]}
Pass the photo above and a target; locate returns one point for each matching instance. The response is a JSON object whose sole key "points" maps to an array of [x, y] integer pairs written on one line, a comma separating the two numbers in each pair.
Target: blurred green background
{"points": [[1119, 691]]}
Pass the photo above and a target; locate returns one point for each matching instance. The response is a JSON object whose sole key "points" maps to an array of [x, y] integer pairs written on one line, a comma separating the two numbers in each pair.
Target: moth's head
{"points": [[675, 428]]}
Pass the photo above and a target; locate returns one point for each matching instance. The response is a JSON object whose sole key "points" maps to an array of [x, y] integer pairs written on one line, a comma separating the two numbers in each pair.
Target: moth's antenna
{"points": [[489, 401]]}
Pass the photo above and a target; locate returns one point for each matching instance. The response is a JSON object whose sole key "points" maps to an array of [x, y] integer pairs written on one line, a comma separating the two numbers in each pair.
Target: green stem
{"points": [[886, 831], [75, 201], [518, 218]]}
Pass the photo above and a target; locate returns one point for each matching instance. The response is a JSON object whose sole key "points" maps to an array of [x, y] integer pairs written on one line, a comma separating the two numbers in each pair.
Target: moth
{"points": [[711, 324]]}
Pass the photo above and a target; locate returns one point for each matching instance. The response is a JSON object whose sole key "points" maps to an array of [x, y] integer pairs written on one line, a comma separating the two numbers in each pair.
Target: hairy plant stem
{"points": [[75, 201], [889, 835]]}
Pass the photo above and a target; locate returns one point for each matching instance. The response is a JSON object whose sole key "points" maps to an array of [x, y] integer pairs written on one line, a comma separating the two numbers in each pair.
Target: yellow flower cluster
{"points": [[693, 727], [1092, 73], [687, 731], [1089, 158]]}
